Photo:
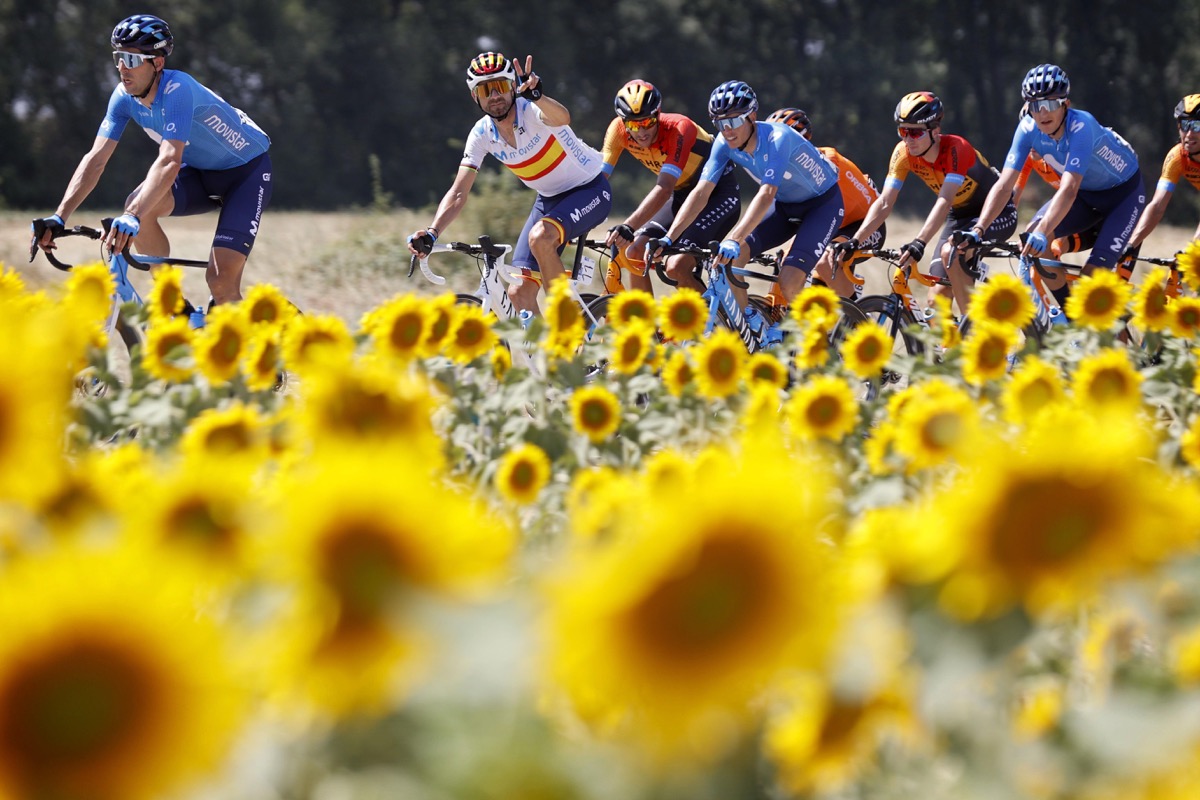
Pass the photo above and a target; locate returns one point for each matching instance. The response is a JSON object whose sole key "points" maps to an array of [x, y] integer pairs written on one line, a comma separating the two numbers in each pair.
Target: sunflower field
{"points": [[432, 555]]}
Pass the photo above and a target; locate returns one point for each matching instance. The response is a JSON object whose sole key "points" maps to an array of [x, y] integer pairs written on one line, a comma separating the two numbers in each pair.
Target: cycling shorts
{"points": [[574, 212], [1112, 213], [817, 220], [241, 194], [1002, 227]]}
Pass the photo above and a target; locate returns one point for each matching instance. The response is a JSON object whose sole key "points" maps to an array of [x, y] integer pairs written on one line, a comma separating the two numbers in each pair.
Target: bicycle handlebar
{"points": [[893, 256], [39, 230]]}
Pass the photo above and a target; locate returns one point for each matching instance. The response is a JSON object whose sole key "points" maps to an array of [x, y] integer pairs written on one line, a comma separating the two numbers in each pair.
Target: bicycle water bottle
{"points": [[526, 317], [196, 318]]}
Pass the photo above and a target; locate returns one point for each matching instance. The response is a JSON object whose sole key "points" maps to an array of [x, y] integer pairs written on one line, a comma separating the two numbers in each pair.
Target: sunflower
{"points": [[934, 428], [813, 351], [1185, 656], [1038, 707], [501, 360], [878, 448], [678, 372], [265, 305], [766, 369], [565, 318], [12, 285], [1034, 386], [1184, 318], [683, 315], [234, 431], [220, 344], [1189, 444], [823, 408], [669, 632], [471, 335], [1107, 379], [817, 305], [399, 327], [1188, 263], [760, 415], [1002, 299], [112, 682], [523, 473], [1098, 300], [631, 346], [985, 352], [262, 362], [866, 350], [168, 352], [1149, 305], [166, 299], [945, 323], [720, 362], [90, 292], [593, 502], [631, 306], [316, 339], [595, 412]]}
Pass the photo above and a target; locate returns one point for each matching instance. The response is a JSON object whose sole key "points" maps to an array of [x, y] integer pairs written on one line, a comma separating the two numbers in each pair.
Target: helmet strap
{"points": [[153, 83], [1054, 133], [931, 145]]}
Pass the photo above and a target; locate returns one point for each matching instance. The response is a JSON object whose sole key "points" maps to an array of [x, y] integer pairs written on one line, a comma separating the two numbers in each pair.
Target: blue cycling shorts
{"points": [[1112, 213], [574, 213], [819, 219], [241, 194]]}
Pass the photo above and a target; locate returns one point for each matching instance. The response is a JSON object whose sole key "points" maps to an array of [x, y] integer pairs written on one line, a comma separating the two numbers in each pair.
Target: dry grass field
{"points": [[347, 263]]}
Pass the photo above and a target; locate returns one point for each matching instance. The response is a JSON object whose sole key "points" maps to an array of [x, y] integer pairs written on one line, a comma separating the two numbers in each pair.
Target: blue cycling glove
{"points": [[969, 238], [730, 249], [53, 222], [654, 245], [1037, 243], [422, 241], [128, 224]]}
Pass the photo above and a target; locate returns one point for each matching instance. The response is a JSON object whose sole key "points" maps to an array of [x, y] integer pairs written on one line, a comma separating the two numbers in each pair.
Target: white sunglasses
{"points": [[130, 60], [731, 123], [1046, 105]]}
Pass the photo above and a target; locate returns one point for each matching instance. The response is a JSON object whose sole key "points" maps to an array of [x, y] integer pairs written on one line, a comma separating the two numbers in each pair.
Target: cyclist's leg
{"points": [[1121, 206], [937, 264], [633, 259], [820, 218], [186, 192], [965, 264], [1081, 216], [523, 294], [713, 223]]}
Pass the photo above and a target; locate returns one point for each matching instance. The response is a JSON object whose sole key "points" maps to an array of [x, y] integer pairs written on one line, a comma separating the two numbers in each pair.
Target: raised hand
{"points": [[529, 85]]}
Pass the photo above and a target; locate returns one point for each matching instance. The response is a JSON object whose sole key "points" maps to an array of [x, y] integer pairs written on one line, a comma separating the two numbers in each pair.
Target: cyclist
{"points": [[210, 156], [528, 132], [1182, 161], [858, 193], [1101, 184], [961, 178], [797, 198], [673, 147]]}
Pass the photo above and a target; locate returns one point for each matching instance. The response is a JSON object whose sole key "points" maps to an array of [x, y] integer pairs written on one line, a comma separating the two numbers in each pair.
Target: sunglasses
{"points": [[731, 123], [130, 60], [1046, 105], [641, 124], [498, 85], [1190, 125], [911, 133]]}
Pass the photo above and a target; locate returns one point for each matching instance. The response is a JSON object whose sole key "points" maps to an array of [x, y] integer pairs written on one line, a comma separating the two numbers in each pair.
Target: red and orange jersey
{"points": [[857, 190], [1045, 172], [679, 149], [1176, 165], [956, 157]]}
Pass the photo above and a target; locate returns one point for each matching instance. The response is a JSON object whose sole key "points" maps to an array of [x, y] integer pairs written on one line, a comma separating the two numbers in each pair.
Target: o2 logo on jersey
{"points": [[769, 174], [170, 128]]}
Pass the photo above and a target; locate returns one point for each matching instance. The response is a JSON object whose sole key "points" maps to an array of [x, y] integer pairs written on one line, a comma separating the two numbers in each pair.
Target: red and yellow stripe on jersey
{"points": [[542, 162], [1176, 165]]}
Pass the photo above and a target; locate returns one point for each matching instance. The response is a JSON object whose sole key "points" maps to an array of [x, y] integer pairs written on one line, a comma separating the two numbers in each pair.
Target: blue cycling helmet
{"points": [[1045, 82], [732, 98], [143, 33]]}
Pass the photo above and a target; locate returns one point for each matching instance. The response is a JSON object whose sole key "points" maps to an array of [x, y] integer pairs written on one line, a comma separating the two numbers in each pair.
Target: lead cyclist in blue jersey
{"points": [[795, 180], [1101, 186], [210, 156]]}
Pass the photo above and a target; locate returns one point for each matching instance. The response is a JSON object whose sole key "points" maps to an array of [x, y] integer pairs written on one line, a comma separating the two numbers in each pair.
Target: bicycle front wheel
{"points": [[895, 318]]}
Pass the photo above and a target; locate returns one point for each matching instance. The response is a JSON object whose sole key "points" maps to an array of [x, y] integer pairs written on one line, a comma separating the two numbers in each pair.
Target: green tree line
{"points": [[336, 83]]}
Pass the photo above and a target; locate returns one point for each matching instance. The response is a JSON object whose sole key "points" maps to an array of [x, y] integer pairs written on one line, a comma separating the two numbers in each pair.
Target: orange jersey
{"points": [[1176, 165], [857, 190], [680, 149], [956, 157], [1044, 171]]}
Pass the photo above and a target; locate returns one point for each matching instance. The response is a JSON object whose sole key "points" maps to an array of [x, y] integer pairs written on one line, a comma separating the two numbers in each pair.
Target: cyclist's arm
{"points": [[455, 199], [941, 209], [86, 176], [552, 112], [657, 197], [998, 197], [1060, 204], [763, 200], [160, 177], [878, 212], [1151, 216], [697, 200]]}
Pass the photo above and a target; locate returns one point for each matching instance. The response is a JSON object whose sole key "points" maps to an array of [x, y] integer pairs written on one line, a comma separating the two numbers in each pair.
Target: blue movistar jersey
{"points": [[782, 158], [1098, 154], [215, 134]]}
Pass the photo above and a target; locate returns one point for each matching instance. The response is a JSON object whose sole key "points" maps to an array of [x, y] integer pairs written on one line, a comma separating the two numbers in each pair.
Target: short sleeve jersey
{"points": [[1176, 165], [957, 163], [1097, 154], [679, 149], [215, 134], [550, 159], [782, 158], [858, 193]]}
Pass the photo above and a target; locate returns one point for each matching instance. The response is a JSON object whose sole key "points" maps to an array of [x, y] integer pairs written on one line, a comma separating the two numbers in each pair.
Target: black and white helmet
{"points": [[143, 33], [1045, 82]]}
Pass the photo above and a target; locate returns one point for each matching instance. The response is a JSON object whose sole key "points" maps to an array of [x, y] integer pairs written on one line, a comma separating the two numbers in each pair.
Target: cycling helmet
{"points": [[1045, 82], [489, 67], [795, 118], [1188, 108], [143, 33], [732, 98], [637, 100], [920, 108]]}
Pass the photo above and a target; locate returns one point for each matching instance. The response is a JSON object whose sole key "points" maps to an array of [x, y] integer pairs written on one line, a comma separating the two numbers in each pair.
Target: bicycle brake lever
{"points": [[412, 265]]}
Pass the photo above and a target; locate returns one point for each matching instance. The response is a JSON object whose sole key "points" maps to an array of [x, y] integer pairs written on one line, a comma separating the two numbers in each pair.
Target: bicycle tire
{"points": [[894, 320], [466, 299]]}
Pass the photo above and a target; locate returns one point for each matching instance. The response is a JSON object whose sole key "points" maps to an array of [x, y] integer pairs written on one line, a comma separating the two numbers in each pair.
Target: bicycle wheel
{"points": [[895, 318], [467, 299]]}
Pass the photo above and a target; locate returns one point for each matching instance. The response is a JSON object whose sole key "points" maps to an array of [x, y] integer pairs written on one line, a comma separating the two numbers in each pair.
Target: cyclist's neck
{"points": [[146, 98], [750, 144]]}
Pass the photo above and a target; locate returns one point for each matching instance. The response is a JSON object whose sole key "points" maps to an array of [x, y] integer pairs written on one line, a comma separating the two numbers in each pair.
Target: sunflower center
{"points": [[839, 724], [1047, 521], [406, 332], [523, 476], [1108, 385], [264, 311], [594, 414], [439, 328], [722, 364], [631, 350], [823, 411], [228, 347], [992, 354], [684, 314], [1002, 306], [942, 430], [1099, 302], [197, 520], [361, 565], [469, 334], [1035, 395]]}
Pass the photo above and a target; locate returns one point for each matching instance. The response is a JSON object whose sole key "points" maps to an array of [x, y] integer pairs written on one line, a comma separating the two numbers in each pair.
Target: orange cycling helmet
{"points": [[794, 118], [1188, 108], [490, 67], [920, 108], [637, 100]]}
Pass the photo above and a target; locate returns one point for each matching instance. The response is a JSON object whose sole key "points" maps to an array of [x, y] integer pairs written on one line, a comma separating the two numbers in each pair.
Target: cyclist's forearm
{"points": [[158, 182], [658, 197], [876, 214], [691, 209], [935, 220], [997, 198], [1060, 204], [86, 176], [754, 213]]}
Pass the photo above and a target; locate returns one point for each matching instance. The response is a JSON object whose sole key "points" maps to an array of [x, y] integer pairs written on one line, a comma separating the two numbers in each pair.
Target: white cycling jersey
{"points": [[550, 159]]}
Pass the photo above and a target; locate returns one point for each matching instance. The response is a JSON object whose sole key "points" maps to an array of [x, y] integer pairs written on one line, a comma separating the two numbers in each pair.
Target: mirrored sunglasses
{"points": [[499, 85], [1190, 125], [640, 124], [1046, 105], [731, 123], [911, 133], [130, 60]]}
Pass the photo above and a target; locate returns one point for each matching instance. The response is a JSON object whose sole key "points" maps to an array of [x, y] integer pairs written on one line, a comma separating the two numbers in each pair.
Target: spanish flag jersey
{"points": [[548, 159]]}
